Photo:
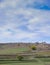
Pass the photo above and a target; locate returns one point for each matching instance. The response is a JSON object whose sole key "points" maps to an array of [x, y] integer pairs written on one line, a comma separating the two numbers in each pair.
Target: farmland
{"points": [[9, 53], [35, 61]]}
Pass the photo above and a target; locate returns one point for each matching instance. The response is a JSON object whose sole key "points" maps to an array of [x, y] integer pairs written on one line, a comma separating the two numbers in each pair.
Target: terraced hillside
{"points": [[10, 51], [13, 48]]}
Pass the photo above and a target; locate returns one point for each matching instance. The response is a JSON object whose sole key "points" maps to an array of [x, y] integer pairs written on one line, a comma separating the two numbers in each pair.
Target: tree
{"points": [[20, 57]]}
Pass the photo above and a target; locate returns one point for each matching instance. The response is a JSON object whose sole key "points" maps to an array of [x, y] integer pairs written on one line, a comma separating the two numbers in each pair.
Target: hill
{"points": [[13, 48]]}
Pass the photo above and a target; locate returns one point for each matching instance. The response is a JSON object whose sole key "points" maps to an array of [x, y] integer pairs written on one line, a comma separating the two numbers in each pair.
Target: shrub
{"points": [[33, 48], [19, 58]]}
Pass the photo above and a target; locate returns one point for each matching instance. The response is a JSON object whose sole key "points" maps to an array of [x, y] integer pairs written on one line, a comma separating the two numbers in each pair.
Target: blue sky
{"points": [[24, 20]]}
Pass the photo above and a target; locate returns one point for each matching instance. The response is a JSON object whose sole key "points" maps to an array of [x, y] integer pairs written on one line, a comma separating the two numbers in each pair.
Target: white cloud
{"points": [[16, 16]]}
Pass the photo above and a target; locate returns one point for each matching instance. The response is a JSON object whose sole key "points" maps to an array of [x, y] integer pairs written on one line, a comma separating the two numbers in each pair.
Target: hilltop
{"points": [[40, 46]]}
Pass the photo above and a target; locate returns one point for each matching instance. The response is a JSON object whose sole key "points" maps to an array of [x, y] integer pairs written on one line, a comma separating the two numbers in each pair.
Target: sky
{"points": [[24, 21]]}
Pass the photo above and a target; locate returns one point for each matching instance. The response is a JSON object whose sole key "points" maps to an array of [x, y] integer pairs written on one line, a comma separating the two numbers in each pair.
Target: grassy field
{"points": [[18, 50], [23, 64], [13, 50], [36, 61]]}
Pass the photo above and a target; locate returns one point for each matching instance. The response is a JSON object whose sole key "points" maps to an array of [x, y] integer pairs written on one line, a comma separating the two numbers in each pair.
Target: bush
{"points": [[19, 58], [33, 48]]}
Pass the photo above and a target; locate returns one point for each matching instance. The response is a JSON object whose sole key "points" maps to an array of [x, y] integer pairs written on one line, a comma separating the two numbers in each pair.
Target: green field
{"points": [[28, 60], [13, 50], [35, 61], [23, 64], [19, 50]]}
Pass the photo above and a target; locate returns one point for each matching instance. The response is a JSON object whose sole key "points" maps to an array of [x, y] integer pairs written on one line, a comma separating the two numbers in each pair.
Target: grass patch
{"points": [[13, 50], [45, 59], [35, 61]]}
